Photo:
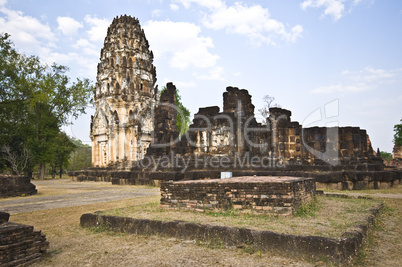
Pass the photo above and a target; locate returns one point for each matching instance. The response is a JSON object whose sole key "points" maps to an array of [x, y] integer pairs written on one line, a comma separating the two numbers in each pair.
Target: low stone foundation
{"points": [[20, 244], [336, 250], [266, 194], [14, 186], [326, 178]]}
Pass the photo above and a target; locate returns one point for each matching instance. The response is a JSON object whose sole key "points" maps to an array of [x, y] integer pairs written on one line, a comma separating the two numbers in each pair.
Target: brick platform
{"points": [[20, 245], [16, 186], [264, 194]]}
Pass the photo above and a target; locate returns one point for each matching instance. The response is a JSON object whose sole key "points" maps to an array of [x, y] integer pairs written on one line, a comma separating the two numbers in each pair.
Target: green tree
{"points": [[35, 100], [183, 114], [398, 134], [81, 157], [60, 152], [386, 156]]}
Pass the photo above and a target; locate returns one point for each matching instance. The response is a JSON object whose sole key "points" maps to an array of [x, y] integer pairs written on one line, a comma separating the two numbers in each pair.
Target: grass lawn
{"points": [[327, 216], [71, 245]]}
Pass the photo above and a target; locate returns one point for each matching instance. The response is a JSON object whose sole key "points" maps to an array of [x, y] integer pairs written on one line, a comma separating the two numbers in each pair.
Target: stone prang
{"points": [[125, 95]]}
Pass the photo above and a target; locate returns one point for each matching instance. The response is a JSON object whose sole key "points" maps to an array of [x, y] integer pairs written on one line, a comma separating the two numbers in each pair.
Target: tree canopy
{"points": [[386, 156], [35, 101], [81, 157], [398, 134], [183, 114]]}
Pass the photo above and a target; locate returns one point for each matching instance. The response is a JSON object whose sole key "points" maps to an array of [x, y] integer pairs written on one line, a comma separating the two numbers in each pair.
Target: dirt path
{"points": [[61, 193]]}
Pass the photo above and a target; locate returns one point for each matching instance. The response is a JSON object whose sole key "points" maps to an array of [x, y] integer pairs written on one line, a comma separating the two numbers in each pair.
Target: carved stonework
{"points": [[397, 161], [129, 117], [125, 95]]}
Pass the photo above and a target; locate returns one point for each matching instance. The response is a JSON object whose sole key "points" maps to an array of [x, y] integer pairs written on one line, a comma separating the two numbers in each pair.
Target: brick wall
{"points": [[13, 186], [267, 194], [20, 244]]}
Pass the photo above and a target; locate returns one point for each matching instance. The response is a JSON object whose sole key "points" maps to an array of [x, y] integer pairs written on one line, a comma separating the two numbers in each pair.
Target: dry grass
{"points": [[71, 245], [383, 245], [328, 217], [396, 189]]}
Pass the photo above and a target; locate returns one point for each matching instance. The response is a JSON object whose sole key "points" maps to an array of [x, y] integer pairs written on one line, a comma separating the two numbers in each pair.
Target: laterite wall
{"points": [[266, 194], [14, 186]]}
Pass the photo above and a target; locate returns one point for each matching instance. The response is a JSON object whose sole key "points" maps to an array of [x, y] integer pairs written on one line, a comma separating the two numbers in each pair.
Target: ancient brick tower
{"points": [[125, 96]]}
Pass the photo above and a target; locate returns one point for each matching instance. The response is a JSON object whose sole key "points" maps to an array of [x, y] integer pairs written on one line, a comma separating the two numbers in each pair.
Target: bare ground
{"points": [[59, 193], [71, 245]]}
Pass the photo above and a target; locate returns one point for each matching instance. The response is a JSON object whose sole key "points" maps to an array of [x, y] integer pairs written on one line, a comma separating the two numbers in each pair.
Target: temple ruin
{"points": [[125, 95], [269, 195], [135, 139], [396, 162]]}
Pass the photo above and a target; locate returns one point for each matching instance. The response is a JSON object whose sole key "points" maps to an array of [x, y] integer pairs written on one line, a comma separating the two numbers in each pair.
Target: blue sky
{"points": [[308, 54]]}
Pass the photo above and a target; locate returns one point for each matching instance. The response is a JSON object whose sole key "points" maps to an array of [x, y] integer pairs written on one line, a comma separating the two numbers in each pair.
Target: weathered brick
{"points": [[262, 194]]}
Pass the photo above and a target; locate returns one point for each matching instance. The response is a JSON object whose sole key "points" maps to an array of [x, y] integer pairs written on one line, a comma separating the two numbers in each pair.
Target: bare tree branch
{"points": [[26, 157], [11, 158], [268, 103], [18, 163]]}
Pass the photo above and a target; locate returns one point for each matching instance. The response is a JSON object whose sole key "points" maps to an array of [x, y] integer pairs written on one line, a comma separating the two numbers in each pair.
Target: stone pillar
{"points": [[125, 143], [279, 119], [110, 144], [93, 152], [130, 143], [116, 144], [121, 143], [240, 128]]}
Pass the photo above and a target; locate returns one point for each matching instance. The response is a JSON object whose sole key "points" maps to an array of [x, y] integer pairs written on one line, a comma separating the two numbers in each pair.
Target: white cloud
{"points": [[99, 28], [28, 33], [156, 12], [3, 2], [211, 4], [363, 80], [32, 36], [371, 75], [214, 74], [68, 26], [181, 42], [82, 53], [254, 21], [334, 8], [87, 47], [85, 66], [174, 7], [296, 33]]}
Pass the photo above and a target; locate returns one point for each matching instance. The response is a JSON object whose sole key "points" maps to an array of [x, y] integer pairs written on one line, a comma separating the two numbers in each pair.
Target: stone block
{"points": [[255, 193], [4, 216]]}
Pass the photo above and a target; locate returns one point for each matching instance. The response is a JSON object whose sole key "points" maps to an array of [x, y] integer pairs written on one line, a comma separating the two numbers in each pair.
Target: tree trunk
{"points": [[61, 172], [41, 171], [29, 173]]}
